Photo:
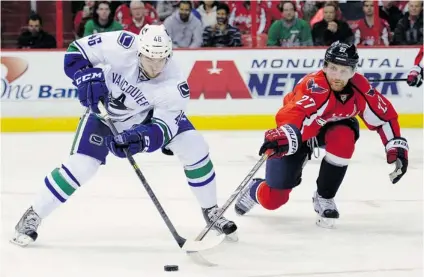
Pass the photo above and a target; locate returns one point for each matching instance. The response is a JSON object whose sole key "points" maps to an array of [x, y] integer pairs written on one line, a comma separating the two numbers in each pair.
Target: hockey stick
{"points": [[387, 80], [187, 245], [196, 256]]}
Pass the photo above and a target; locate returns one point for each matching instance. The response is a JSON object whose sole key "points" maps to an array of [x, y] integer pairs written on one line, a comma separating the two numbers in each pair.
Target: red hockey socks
{"points": [[271, 198]]}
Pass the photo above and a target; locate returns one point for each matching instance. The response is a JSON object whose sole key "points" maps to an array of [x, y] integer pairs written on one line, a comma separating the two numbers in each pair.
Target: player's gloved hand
{"points": [[91, 87], [134, 140], [283, 140], [415, 76], [397, 152]]}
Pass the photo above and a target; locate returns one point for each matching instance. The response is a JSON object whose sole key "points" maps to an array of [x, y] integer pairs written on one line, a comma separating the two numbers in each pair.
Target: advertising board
{"points": [[229, 89]]}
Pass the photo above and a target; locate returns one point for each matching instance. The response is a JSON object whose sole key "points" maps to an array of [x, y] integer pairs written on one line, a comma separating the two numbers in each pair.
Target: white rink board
{"points": [[110, 227], [32, 93]]}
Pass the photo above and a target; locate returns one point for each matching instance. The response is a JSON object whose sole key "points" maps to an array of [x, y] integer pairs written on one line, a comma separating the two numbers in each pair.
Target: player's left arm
{"points": [[379, 115], [163, 127], [415, 74]]}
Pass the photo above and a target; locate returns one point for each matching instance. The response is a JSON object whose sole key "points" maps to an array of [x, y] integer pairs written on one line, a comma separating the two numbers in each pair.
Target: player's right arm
{"points": [[301, 109], [84, 55], [296, 122], [92, 50]]}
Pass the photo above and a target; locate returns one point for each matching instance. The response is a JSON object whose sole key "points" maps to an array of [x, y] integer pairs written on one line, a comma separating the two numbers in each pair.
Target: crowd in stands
{"points": [[193, 24]]}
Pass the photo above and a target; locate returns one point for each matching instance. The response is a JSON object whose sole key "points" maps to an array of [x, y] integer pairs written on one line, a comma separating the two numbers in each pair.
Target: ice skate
{"points": [[245, 202], [326, 210], [26, 229], [222, 225]]}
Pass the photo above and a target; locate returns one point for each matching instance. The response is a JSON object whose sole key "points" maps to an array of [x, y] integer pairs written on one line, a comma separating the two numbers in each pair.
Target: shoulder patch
{"points": [[126, 40], [371, 92], [184, 89], [313, 87]]}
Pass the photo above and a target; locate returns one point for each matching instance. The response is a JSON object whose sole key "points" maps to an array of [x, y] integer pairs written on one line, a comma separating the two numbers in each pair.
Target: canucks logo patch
{"points": [[184, 89], [314, 87], [125, 40]]}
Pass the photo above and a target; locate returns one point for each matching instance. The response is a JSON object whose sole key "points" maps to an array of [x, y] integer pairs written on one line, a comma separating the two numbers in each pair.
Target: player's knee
{"points": [[340, 145], [80, 167], [272, 198], [190, 147], [63, 181]]}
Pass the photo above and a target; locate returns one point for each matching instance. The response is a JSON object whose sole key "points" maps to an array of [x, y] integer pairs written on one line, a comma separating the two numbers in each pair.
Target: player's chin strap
{"points": [[187, 245]]}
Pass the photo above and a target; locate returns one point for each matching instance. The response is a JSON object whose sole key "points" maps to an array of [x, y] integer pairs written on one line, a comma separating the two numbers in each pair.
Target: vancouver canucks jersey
{"points": [[133, 96]]}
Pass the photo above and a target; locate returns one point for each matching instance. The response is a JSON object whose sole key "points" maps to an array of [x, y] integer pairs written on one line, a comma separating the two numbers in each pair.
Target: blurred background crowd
{"points": [[193, 24]]}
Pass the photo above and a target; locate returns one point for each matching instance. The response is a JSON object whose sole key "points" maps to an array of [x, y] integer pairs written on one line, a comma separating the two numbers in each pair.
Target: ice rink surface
{"points": [[111, 228]]}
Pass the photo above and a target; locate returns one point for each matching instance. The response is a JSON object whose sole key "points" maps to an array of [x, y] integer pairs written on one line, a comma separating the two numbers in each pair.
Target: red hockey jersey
{"points": [[129, 25], [365, 34], [312, 104], [241, 18]]}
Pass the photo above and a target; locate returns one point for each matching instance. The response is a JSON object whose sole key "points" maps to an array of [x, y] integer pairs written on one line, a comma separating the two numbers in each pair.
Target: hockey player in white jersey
{"points": [[146, 95]]}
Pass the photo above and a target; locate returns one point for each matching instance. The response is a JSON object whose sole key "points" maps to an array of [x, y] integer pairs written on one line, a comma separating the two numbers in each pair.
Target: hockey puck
{"points": [[171, 267]]}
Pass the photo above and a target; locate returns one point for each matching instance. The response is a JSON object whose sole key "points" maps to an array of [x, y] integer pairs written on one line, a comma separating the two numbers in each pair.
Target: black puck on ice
{"points": [[171, 267]]}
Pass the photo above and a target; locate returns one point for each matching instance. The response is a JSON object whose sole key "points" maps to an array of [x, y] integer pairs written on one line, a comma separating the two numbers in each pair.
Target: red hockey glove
{"points": [[397, 152], [284, 140], [415, 76]]}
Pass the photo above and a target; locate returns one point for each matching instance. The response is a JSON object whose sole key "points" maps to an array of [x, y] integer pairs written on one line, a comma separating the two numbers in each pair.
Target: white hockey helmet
{"points": [[154, 42]]}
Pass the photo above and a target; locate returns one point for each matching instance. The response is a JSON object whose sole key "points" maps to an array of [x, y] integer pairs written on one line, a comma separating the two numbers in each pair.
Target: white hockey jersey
{"points": [[133, 95]]}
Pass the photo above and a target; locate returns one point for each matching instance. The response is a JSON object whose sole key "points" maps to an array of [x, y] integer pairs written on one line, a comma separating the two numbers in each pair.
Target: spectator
{"points": [[102, 20], [365, 33], [274, 9], [82, 17], [183, 27], [166, 8], [351, 10], [123, 14], [330, 29], [319, 15], [151, 12], [390, 13], [34, 36], [222, 34], [309, 10], [138, 19], [289, 31], [207, 11], [241, 18], [409, 30]]}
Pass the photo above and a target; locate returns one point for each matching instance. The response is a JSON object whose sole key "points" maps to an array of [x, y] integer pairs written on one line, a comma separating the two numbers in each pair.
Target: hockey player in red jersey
{"points": [[320, 112], [415, 75]]}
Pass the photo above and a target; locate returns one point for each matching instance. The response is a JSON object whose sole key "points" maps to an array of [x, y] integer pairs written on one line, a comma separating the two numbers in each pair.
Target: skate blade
{"points": [[21, 240], [197, 258], [327, 223], [201, 245], [233, 237]]}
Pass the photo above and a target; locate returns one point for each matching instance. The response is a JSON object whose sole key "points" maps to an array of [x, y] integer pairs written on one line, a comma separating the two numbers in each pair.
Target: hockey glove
{"points": [[134, 140], [281, 141], [91, 87], [415, 76], [397, 152]]}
